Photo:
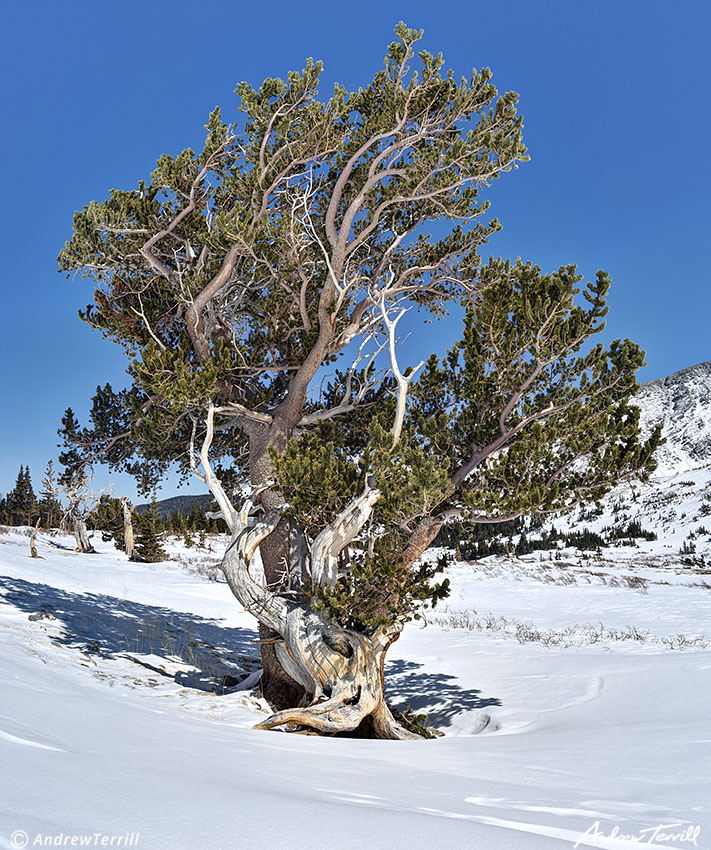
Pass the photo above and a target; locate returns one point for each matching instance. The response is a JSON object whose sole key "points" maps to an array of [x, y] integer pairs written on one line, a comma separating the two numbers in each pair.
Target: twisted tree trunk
{"points": [[81, 535], [330, 678], [339, 670], [279, 689]]}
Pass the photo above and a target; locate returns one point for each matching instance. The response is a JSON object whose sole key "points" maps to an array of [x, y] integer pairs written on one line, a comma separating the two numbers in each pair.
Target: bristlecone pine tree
{"points": [[292, 244], [73, 482]]}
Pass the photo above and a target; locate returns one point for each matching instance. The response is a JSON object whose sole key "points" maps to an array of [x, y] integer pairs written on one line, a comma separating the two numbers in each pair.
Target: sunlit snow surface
{"points": [[573, 689], [113, 720]]}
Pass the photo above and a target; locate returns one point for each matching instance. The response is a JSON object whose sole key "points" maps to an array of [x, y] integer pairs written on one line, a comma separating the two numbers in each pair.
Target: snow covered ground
{"points": [[574, 702]]}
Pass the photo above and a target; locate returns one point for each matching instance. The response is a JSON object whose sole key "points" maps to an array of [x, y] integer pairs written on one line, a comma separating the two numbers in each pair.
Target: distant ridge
{"points": [[179, 504], [700, 370]]}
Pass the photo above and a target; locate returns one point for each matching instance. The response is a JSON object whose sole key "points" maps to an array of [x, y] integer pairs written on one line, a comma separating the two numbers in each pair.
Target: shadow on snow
{"points": [[436, 694], [222, 656], [99, 624]]}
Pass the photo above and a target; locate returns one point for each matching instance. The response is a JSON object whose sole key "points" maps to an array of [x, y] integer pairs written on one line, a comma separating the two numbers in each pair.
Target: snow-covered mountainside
{"points": [[675, 504], [666, 520], [682, 402]]}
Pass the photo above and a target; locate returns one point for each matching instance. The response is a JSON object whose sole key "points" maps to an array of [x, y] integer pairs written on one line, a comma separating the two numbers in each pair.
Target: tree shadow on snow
{"points": [[222, 657], [98, 624], [436, 694]]}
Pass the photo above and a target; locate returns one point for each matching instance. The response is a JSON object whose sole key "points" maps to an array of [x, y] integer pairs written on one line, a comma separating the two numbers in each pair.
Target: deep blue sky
{"points": [[616, 106]]}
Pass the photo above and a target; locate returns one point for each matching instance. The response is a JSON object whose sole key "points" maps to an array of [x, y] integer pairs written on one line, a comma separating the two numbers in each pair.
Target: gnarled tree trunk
{"points": [[279, 689], [129, 544], [339, 670], [81, 535], [317, 674], [33, 536]]}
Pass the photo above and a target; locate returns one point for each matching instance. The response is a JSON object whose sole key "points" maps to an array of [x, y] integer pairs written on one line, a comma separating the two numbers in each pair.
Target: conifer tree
{"points": [[73, 481], [300, 234], [50, 507], [150, 534], [188, 538], [180, 523], [21, 503], [106, 518]]}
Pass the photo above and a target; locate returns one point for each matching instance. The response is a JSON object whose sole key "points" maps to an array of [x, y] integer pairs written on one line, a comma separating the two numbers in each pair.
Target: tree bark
{"points": [[339, 671], [424, 533], [315, 673], [33, 547], [345, 669], [279, 689], [81, 536], [127, 528]]}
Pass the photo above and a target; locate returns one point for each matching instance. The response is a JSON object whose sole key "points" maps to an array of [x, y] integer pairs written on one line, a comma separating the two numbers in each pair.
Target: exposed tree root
{"points": [[341, 670]]}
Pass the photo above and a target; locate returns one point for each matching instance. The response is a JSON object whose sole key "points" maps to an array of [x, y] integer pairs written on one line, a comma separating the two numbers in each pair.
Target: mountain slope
{"points": [[180, 504], [665, 521], [682, 402], [675, 504]]}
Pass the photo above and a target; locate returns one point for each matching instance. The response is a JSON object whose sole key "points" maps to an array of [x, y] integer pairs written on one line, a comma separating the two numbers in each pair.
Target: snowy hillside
{"points": [[682, 402], [574, 707], [676, 502], [667, 520]]}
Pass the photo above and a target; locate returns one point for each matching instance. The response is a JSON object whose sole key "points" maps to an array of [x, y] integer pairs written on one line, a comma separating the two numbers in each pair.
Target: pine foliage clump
{"points": [[319, 479], [107, 517], [51, 510]]}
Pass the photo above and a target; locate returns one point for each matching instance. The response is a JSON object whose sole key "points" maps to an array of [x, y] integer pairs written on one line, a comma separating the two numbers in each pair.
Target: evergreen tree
{"points": [[234, 275], [50, 507], [73, 481], [196, 520], [107, 517], [21, 503], [149, 534]]}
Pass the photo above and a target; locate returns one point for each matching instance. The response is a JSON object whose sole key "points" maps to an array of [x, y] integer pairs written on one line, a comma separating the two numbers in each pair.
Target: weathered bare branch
{"points": [[229, 514], [402, 382], [338, 534]]}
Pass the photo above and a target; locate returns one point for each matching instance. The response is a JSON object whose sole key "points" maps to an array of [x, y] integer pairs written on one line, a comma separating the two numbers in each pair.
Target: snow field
{"points": [[116, 716]]}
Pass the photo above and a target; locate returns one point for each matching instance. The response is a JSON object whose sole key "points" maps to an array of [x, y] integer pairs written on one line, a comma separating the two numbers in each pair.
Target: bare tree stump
{"points": [[33, 547]]}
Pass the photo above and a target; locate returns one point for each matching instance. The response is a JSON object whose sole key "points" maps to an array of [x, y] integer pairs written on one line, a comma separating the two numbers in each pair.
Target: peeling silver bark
{"points": [[340, 669], [337, 535], [81, 535], [127, 528]]}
